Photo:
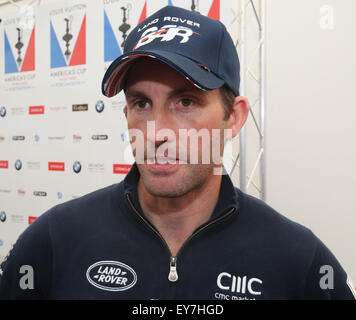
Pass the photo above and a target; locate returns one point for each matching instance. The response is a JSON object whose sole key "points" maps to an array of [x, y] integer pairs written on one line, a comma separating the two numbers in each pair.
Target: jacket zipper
{"points": [[173, 274]]}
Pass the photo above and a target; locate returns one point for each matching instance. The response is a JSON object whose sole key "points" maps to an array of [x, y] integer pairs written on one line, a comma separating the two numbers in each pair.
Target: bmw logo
{"points": [[18, 164], [2, 112], [77, 167], [99, 106], [2, 216]]}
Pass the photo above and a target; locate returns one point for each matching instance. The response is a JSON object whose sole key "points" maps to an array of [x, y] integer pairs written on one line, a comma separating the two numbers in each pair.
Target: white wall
{"points": [[310, 125]]}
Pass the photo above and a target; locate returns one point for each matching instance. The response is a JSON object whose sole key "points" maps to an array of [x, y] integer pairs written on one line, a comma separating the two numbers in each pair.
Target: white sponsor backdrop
{"points": [[53, 117]]}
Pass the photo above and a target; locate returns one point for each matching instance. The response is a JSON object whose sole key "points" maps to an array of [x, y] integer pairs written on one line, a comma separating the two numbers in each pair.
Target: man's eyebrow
{"points": [[183, 90], [135, 93], [176, 92]]}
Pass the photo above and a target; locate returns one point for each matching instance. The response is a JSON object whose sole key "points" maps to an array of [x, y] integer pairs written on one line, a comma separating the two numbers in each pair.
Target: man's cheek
{"points": [[183, 153], [137, 141]]}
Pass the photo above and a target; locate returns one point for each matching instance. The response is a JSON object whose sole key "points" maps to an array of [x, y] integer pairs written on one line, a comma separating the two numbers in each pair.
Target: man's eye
{"points": [[141, 104], [185, 102]]}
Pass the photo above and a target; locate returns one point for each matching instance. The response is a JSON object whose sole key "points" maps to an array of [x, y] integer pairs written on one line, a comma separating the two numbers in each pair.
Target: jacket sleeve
{"points": [[326, 279], [26, 271]]}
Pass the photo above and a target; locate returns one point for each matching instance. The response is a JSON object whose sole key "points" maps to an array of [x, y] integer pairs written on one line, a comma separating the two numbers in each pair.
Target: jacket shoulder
{"points": [[267, 220], [296, 247]]}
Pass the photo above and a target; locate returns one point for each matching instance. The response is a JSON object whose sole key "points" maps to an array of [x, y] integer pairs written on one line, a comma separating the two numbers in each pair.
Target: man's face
{"points": [[155, 92]]}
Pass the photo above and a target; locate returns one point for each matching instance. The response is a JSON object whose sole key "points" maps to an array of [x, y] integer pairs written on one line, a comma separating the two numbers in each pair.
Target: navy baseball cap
{"points": [[198, 47]]}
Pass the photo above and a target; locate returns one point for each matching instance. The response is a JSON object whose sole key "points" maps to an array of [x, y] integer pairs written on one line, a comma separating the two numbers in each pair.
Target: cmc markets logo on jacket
{"points": [[236, 287], [111, 276]]}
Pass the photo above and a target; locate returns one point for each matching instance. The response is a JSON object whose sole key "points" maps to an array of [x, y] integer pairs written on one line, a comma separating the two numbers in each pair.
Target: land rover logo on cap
{"points": [[2, 112], [77, 167], [111, 276], [99, 106]]}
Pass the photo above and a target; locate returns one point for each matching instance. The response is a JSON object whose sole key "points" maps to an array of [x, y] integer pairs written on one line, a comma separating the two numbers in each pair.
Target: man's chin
{"points": [[163, 180], [175, 181], [161, 187]]}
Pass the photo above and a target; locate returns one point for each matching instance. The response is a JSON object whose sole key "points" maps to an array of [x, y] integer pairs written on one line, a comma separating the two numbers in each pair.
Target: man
{"points": [[176, 227]]}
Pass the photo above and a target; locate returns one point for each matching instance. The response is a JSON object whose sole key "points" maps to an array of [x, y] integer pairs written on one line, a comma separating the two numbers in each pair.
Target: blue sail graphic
{"points": [[10, 63], [57, 58], [111, 47]]}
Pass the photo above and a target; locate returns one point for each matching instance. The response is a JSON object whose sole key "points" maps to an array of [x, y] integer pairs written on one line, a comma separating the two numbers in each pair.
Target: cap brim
{"points": [[199, 75]]}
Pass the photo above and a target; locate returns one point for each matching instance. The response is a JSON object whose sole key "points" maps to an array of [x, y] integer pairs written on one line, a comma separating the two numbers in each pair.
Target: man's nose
{"points": [[164, 125]]}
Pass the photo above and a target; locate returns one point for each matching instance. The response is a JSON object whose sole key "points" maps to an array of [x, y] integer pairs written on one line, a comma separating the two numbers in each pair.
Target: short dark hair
{"points": [[228, 99]]}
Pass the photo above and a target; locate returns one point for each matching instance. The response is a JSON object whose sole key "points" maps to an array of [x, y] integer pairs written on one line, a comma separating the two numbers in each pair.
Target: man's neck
{"points": [[177, 218]]}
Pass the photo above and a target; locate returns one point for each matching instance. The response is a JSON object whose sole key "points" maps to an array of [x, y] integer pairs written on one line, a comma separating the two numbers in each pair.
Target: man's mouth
{"points": [[163, 165]]}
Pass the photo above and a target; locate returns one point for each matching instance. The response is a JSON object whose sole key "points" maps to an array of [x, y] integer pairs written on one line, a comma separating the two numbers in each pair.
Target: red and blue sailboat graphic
{"points": [[61, 53], [15, 60]]}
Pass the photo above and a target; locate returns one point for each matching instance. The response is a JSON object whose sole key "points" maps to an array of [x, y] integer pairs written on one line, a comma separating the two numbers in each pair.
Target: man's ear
{"points": [[238, 115]]}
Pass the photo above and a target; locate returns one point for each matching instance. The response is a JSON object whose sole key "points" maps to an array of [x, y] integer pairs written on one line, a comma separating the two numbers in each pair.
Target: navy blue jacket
{"points": [[101, 246]]}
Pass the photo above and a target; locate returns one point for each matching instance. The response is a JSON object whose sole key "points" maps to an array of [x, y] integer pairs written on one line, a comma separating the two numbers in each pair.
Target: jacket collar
{"points": [[228, 196]]}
